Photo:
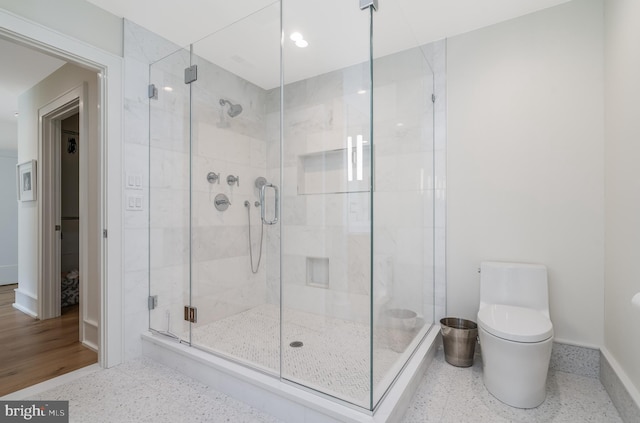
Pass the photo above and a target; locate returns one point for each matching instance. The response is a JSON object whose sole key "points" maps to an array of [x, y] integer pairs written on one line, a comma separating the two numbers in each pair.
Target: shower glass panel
{"points": [[169, 195], [236, 142], [403, 201], [326, 199]]}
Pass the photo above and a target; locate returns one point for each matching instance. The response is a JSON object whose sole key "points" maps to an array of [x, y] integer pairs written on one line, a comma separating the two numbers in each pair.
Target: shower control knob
{"points": [[221, 202], [213, 177], [233, 180]]}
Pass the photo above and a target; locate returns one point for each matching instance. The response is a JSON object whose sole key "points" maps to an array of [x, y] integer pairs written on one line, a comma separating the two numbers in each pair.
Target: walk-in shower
{"points": [[335, 163]]}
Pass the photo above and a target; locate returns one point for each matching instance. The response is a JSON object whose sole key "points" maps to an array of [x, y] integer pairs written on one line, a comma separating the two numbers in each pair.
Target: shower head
{"points": [[260, 182], [234, 109]]}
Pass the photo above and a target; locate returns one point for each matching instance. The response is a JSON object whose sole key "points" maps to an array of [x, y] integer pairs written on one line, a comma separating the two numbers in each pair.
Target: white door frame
{"points": [[110, 69], [49, 217]]}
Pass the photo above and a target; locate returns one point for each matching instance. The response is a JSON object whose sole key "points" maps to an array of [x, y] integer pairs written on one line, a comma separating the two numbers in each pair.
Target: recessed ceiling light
{"points": [[362, 91], [169, 89], [302, 43], [16, 114], [399, 124]]}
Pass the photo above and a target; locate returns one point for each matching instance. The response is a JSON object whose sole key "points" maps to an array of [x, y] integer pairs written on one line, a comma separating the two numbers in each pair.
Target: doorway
{"points": [[58, 242], [108, 326]]}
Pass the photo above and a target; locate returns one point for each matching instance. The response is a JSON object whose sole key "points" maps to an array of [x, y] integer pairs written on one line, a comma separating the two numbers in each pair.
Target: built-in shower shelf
{"points": [[335, 171]]}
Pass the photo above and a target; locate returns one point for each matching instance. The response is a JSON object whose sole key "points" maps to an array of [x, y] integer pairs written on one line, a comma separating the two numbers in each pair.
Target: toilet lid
{"points": [[517, 324]]}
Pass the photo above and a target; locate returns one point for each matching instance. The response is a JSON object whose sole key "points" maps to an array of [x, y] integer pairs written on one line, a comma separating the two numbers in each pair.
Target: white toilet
{"points": [[515, 332]]}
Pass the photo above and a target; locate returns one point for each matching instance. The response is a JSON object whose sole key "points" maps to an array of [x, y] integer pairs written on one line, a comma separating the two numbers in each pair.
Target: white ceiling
{"points": [[245, 36], [337, 31]]}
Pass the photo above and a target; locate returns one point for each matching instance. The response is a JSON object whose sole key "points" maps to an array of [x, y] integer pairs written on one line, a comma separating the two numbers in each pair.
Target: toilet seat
{"points": [[516, 324]]}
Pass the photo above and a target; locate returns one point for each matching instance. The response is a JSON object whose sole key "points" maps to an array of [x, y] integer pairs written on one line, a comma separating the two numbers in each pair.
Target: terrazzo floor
{"points": [[145, 391]]}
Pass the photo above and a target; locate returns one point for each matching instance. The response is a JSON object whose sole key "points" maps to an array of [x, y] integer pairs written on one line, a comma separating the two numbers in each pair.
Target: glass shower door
{"points": [[169, 196], [235, 152], [326, 199]]}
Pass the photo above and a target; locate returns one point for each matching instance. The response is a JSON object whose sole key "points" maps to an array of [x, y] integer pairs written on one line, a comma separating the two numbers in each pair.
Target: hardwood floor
{"points": [[32, 351]]}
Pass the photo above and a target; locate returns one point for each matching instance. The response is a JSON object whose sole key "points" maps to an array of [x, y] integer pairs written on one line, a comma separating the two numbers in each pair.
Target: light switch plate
{"points": [[135, 202], [133, 181]]}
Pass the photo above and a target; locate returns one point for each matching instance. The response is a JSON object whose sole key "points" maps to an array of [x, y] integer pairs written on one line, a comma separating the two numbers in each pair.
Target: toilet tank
{"points": [[517, 284]]}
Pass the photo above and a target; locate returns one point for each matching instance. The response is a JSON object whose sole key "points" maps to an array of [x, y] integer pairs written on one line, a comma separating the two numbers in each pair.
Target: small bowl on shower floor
{"points": [[401, 318]]}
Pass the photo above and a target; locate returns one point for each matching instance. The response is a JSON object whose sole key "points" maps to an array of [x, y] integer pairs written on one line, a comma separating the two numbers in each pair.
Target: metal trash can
{"points": [[459, 337]]}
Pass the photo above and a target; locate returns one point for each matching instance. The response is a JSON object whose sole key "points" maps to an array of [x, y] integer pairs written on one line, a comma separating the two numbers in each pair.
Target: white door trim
{"points": [[51, 116], [110, 70]]}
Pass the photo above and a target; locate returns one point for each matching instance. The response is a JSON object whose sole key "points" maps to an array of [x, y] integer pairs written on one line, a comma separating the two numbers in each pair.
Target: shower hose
{"points": [[257, 266]]}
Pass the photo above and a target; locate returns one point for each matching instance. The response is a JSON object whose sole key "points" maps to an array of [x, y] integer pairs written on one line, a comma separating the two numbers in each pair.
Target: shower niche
{"points": [[345, 224], [336, 171]]}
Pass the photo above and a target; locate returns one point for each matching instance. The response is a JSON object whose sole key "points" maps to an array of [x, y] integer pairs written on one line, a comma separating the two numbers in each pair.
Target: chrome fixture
{"points": [[231, 179], [260, 182], [213, 177], [366, 3], [263, 209], [221, 202], [234, 109]]}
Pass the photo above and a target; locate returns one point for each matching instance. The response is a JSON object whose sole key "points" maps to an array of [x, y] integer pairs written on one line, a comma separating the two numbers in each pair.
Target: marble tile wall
{"points": [[321, 220], [141, 47]]}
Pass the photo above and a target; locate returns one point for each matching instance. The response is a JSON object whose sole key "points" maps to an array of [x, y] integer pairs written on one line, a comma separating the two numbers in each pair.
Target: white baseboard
{"points": [[26, 303], [90, 334]]}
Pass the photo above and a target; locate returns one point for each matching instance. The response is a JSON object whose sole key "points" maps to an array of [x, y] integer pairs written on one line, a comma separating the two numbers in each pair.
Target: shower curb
{"points": [[282, 399]]}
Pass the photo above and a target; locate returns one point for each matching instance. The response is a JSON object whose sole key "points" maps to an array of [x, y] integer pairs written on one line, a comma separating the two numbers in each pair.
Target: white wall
{"points": [[77, 18], [8, 134], [622, 125], [8, 218], [525, 165], [58, 83]]}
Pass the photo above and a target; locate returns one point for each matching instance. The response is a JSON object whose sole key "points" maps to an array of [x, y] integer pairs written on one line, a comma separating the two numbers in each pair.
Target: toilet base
{"points": [[515, 372]]}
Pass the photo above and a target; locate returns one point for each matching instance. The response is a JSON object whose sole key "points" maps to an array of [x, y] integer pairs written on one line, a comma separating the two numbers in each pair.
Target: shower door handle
{"points": [[263, 209]]}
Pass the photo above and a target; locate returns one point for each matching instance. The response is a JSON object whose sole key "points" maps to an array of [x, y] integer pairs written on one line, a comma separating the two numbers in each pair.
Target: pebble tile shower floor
{"points": [[329, 347], [145, 391]]}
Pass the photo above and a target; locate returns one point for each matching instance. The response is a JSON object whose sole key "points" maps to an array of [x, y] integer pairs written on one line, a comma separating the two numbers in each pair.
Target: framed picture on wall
{"points": [[26, 175]]}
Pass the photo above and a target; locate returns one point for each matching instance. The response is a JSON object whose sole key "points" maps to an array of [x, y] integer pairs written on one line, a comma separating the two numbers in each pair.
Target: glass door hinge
{"points": [[191, 74], [152, 92], [152, 301], [369, 3], [190, 314]]}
